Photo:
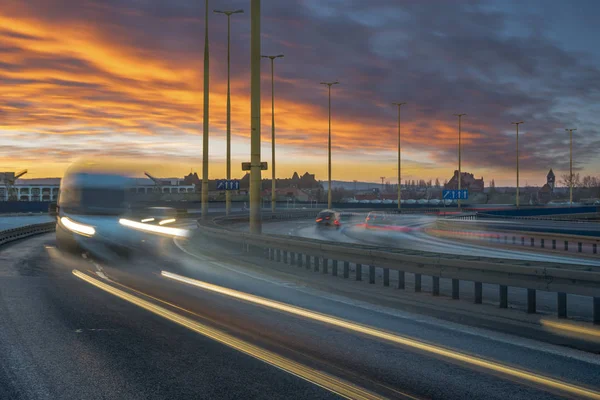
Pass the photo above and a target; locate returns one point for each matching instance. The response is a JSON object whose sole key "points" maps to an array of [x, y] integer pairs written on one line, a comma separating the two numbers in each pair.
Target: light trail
{"points": [[321, 379], [176, 232], [563, 326], [394, 338]]}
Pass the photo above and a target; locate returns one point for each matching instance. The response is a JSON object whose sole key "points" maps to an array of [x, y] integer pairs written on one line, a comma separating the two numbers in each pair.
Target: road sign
{"points": [[224, 184], [462, 194], [246, 166]]}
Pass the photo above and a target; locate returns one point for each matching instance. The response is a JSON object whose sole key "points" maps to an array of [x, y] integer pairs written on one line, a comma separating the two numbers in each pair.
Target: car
{"points": [[329, 218], [376, 218]]}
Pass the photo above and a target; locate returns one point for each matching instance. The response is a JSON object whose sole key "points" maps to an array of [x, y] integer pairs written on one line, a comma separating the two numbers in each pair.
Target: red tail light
{"points": [[368, 218], [319, 219], [336, 222], [327, 218]]}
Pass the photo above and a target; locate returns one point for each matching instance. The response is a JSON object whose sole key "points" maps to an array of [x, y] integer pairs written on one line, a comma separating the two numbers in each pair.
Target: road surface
{"points": [[73, 328]]}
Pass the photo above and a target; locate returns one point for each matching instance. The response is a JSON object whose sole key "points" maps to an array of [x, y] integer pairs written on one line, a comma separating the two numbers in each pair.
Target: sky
{"points": [[124, 78]]}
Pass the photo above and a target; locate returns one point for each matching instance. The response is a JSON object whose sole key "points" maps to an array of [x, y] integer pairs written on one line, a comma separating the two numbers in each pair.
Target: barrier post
{"points": [[455, 289], [561, 299], [478, 289], [334, 267], [316, 261], [435, 289], [417, 282], [386, 277], [401, 280], [503, 293], [579, 247], [531, 303], [596, 317], [553, 244], [325, 265], [359, 272], [542, 243], [371, 274], [346, 269], [566, 246]]}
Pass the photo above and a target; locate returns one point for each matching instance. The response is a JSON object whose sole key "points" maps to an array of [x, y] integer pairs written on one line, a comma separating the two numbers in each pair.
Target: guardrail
{"points": [[533, 237], [11, 235], [562, 279]]}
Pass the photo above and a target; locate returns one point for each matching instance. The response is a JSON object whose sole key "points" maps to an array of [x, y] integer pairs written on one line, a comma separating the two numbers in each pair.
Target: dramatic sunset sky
{"points": [[124, 77]]}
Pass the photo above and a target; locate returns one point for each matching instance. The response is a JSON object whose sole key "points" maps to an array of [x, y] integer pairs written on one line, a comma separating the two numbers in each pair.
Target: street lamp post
{"points": [[255, 163], [399, 159], [204, 197], [459, 153], [329, 144], [517, 124], [273, 194], [228, 192], [570, 166]]}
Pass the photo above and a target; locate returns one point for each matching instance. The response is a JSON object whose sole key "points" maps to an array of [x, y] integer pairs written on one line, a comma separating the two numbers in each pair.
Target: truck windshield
{"points": [[93, 201]]}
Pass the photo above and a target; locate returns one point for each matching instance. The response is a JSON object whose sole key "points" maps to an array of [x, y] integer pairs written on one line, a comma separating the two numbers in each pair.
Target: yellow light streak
{"points": [[571, 328], [147, 220], [326, 381], [394, 338], [166, 221]]}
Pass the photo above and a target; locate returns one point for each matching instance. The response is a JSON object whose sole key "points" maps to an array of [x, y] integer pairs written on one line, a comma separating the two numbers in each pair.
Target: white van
{"points": [[94, 215]]}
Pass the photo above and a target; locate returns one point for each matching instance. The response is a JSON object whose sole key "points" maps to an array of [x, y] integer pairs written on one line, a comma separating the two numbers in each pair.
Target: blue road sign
{"points": [[224, 184], [462, 194]]}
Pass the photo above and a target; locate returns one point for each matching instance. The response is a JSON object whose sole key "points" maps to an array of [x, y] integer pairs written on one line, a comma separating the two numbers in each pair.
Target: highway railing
{"points": [[320, 255], [11, 235], [576, 241]]}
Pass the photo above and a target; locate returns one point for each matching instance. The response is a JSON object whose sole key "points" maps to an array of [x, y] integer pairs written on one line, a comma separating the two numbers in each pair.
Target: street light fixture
{"points": [[329, 84], [399, 159], [273, 195], [459, 153], [570, 165], [228, 192], [517, 124]]}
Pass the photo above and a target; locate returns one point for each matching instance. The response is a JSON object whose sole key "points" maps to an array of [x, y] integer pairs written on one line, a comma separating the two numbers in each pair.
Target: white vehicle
{"points": [[376, 201], [410, 201], [94, 215], [422, 201], [388, 201]]}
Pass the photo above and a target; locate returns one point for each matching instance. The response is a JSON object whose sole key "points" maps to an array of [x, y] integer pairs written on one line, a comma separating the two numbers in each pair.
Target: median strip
{"points": [[523, 375]]}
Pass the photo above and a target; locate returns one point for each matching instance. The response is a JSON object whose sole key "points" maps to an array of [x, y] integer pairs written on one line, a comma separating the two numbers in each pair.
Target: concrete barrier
{"points": [[11, 235]]}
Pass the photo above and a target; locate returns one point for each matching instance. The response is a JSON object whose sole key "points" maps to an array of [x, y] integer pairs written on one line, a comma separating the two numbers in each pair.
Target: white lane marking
{"points": [[99, 271], [431, 321]]}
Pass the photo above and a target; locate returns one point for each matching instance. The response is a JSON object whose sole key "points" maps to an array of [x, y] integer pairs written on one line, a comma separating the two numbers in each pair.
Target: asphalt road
{"points": [[72, 328]]}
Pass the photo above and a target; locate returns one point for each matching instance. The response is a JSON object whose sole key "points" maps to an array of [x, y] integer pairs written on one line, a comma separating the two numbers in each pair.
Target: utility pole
{"points": [[517, 124], [273, 193], [459, 154], [570, 166], [205, 122], [329, 144], [228, 192], [255, 163], [382, 184], [399, 159]]}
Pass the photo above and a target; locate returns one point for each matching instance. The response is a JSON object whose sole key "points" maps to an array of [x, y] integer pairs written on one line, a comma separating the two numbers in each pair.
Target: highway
{"points": [[194, 324], [416, 239]]}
